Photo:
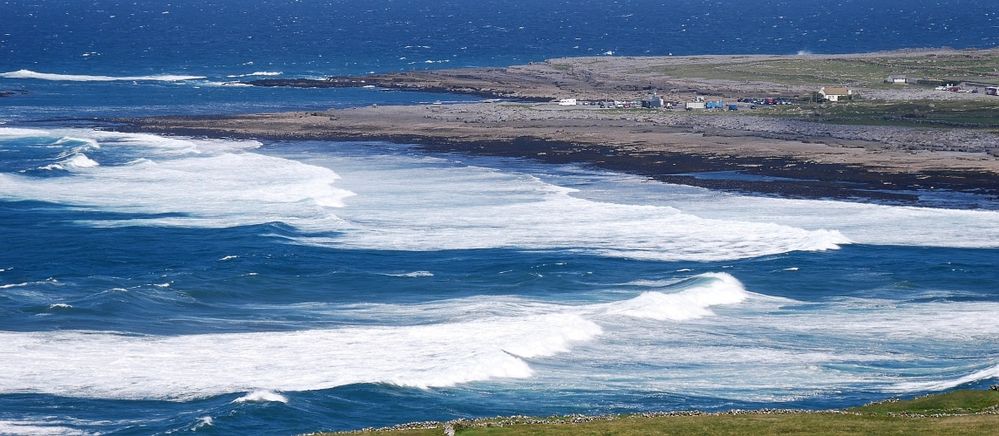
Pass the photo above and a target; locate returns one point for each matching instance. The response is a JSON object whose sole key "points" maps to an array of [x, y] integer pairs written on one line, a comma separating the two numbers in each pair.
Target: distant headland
{"points": [[868, 126]]}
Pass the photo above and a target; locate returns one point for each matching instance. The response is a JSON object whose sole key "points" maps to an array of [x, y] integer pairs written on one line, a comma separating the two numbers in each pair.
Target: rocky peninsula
{"points": [[887, 141]]}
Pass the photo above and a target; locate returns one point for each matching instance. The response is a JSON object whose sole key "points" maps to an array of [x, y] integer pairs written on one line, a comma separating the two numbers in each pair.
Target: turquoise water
{"points": [[155, 284]]}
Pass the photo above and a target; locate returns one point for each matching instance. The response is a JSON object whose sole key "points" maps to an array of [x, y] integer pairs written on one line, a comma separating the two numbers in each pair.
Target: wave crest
{"points": [[28, 74], [703, 292]]}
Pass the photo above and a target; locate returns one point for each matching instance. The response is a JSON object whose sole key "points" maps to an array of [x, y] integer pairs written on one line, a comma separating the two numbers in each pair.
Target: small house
{"points": [[835, 93], [567, 102]]}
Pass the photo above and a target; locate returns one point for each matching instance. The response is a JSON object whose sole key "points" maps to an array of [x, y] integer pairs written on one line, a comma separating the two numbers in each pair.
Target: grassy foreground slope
{"points": [[954, 413]]}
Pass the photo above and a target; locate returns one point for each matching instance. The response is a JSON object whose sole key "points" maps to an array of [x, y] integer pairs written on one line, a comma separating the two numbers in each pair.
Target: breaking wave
{"points": [[74, 363], [210, 183], [256, 74], [443, 353], [28, 74], [262, 396]]}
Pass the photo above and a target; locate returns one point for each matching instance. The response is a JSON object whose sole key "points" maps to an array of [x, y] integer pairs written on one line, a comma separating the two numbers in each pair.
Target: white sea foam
{"points": [[204, 421], [256, 74], [939, 385], [469, 341], [210, 183], [413, 274], [231, 84], [859, 222], [36, 427], [719, 289], [262, 396], [422, 203], [28, 74], [703, 336], [18, 132], [183, 367], [13, 285], [408, 203], [79, 160]]}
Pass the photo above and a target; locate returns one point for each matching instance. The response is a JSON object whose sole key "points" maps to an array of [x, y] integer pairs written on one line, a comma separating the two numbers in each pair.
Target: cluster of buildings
{"points": [[964, 87]]}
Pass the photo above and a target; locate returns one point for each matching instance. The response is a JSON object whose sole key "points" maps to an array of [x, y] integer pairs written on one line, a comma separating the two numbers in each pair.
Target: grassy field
{"points": [[864, 71], [955, 413], [918, 113]]}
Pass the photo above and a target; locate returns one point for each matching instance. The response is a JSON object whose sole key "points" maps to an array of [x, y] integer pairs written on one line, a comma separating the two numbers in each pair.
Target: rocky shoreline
{"points": [[784, 157], [773, 151]]}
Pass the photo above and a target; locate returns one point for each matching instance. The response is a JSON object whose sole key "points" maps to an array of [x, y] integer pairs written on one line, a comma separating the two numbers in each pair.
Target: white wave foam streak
{"points": [[262, 396], [18, 132], [256, 74], [36, 427], [939, 385], [769, 349], [28, 74], [103, 365], [939, 322], [714, 289], [202, 183], [79, 161], [419, 204], [859, 222]]}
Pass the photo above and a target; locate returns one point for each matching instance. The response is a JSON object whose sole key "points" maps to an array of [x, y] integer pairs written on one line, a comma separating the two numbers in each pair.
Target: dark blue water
{"points": [[341, 36], [155, 285]]}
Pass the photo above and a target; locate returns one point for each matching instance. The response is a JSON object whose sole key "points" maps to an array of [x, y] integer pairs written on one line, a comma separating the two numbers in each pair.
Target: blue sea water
{"points": [[153, 285]]}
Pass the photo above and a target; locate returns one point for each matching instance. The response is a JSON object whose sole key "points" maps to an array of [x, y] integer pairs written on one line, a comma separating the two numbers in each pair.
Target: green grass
{"points": [[958, 402], [975, 114], [869, 71], [954, 413]]}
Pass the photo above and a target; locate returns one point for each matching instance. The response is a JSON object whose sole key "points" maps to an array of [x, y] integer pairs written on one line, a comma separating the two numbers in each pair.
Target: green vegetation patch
{"points": [[864, 70], [976, 114], [954, 413], [959, 402]]}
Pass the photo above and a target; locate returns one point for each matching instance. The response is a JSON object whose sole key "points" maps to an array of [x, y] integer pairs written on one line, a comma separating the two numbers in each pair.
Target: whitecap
{"points": [[77, 364], [13, 285], [711, 289], [28, 74], [412, 274], [939, 385], [206, 183], [262, 396], [36, 427], [78, 161], [256, 74], [203, 421]]}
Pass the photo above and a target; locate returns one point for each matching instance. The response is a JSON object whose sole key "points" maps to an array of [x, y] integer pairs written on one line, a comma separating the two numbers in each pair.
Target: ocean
{"points": [[153, 284]]}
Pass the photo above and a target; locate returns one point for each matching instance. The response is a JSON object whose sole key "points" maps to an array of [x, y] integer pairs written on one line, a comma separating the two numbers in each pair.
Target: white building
{"points": [[834, 93]]}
